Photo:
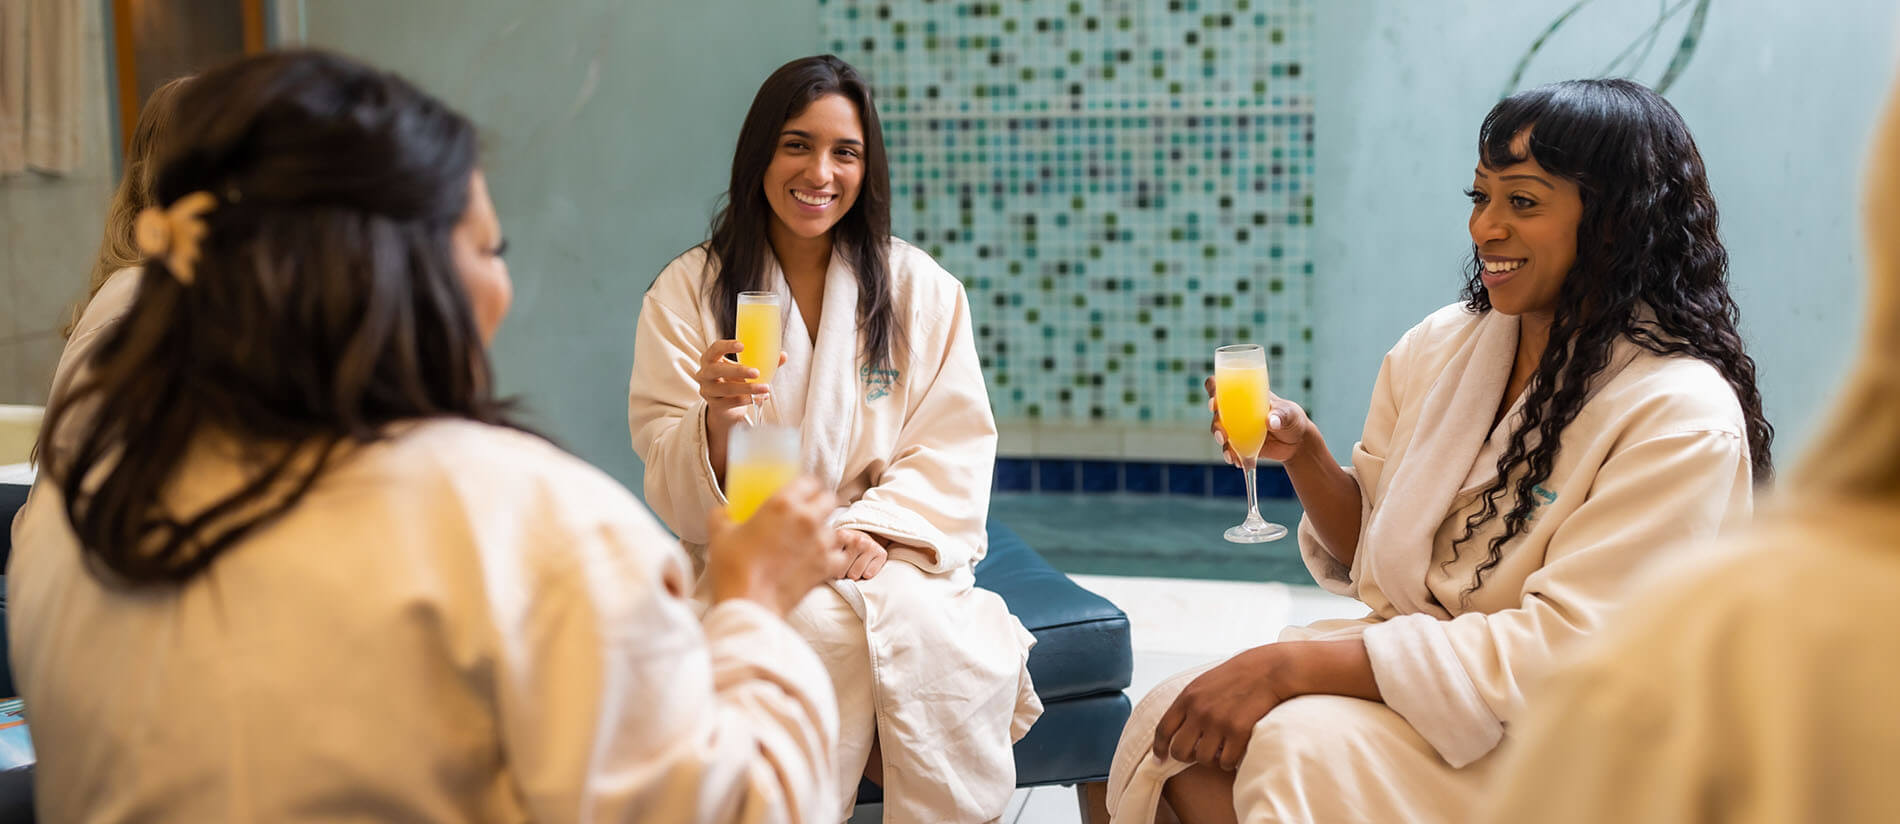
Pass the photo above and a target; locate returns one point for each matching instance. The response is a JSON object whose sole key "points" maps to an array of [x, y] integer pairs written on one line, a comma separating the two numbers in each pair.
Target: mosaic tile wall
{"points": [[1122, 186]]}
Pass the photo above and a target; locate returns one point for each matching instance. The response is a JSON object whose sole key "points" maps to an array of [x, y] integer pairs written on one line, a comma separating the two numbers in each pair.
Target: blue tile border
{"points": [[1101, 476], [1014, 475], [1141, 477], [1228, 482], [1055, 475], [1274, 483], [1187, 479], [1098, 477]]}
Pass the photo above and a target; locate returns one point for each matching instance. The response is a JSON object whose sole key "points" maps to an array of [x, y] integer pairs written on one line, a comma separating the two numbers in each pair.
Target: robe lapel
{"points": [[833, 396], [792, 381], [1453, 426]]}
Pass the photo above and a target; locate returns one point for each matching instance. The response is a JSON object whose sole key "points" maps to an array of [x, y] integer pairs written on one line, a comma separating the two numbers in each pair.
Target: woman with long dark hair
{"points": [[1587, 406], [1753, 683], [880, 377], [290, 558]]}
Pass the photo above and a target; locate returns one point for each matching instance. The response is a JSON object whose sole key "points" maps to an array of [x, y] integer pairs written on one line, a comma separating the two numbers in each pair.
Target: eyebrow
{"points": [[809, 136], [1533, 178]]}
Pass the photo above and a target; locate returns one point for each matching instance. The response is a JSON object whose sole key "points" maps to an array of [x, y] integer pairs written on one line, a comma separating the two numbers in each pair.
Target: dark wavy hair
{"points": [[1647, 239], [740, 240], [325, 305]]}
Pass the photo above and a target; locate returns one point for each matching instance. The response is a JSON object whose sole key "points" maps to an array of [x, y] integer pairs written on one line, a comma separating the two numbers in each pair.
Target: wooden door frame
{"points": [[126, 65]]}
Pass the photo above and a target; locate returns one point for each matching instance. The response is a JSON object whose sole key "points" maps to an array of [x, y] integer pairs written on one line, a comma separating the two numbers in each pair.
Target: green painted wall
{"points": [[609, 129]]}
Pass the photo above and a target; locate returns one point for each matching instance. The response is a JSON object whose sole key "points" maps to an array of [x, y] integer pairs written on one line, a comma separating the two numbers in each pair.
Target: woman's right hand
{"points": [[1287, 426], [723, 383], [779, 554]]}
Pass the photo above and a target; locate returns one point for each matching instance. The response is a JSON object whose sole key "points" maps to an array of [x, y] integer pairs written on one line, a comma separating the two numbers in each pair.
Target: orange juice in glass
{"points": [[759, 328], [759, 461], [1241, 396]]}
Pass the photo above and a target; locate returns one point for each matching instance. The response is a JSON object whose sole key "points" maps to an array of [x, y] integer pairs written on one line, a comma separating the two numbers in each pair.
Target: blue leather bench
{"points": [[1081, 663]]}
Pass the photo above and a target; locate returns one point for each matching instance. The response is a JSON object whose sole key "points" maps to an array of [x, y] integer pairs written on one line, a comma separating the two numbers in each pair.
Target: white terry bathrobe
{"points": [[459, 624], [921, 658], [1657, 456]]}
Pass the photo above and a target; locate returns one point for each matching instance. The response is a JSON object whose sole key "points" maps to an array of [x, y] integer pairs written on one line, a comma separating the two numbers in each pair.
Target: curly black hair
{"points": [[1647, 240]]}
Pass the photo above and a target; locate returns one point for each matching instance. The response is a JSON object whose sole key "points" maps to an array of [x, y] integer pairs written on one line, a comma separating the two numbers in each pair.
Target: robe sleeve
{"points": [[1368, 465], [1459, 681], [667, 420], [935, 492], [617, 704]]}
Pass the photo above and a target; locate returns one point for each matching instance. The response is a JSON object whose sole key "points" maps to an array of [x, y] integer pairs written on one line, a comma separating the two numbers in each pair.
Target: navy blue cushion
{"points": [[1082, 646], [1072, 743]]}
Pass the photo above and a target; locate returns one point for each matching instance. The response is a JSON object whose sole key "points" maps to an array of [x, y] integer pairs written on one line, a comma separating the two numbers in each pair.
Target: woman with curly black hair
{"points": [[1586, 406], [1753, 682]]}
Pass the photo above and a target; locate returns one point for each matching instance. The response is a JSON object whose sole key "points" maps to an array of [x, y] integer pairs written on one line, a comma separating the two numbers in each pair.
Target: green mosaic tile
{"points": [[1121, 186]]}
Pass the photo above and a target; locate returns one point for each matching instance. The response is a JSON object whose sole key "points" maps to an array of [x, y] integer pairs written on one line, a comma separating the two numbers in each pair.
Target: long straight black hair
{"points": [[1647, 240], [740, 238], [324, 305]]}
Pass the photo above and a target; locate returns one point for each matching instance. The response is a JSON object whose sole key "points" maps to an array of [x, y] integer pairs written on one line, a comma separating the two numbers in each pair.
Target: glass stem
{"points": [[1253, 499]]}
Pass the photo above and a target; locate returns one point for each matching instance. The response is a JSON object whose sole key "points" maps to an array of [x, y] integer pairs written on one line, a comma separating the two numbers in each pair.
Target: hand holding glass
{"points": [[1242, 398], [759, 330]]}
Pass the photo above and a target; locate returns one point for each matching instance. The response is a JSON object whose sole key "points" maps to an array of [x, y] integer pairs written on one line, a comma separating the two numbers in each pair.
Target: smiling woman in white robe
{"points": [[1597, 316], [930, 670], [1753, 682]]}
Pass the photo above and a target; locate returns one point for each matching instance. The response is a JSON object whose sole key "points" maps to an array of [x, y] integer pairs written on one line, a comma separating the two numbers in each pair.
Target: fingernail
{"points": [[1274, 420]]}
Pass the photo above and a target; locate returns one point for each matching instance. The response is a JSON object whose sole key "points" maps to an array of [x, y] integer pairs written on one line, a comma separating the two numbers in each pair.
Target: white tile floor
{"points": [[1178, 624]]}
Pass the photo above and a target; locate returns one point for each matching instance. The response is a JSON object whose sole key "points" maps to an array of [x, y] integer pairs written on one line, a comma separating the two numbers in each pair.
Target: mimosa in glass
{"points": [[1241, 396], [759, 461], [759, 330]]}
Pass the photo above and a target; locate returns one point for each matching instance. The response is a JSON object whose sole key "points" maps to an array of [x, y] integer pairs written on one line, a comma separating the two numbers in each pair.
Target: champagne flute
{"points": [[1240, 393], [759, 328], [759, 461]]}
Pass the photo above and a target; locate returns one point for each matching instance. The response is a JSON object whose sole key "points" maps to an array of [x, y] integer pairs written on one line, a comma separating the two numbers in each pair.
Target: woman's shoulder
{"points": [[684, 278], [916, 272], [1442, 331], [1674, 393], [1450, 320], [114, 298], [508, 467]]}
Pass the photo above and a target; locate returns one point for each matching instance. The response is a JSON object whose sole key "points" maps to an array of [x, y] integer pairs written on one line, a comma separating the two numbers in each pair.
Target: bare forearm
{"points": [[1324, 668], [1328, 493]]}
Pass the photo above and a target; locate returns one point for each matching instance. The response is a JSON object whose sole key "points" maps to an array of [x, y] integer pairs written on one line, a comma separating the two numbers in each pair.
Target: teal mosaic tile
{"points": [[1122, 186]]}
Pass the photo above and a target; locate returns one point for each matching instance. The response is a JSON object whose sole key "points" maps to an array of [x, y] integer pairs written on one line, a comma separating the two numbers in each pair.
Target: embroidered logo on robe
{"points": [[878, 382], [1544, 497]]}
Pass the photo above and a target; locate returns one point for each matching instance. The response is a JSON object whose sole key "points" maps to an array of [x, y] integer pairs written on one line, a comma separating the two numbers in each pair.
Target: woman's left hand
{"points": [[864, 555], [1212, 720]]}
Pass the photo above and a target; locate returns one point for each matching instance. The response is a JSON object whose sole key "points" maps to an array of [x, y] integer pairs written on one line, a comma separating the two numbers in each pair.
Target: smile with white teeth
{"points": [[1499, 267], [813, 199]]}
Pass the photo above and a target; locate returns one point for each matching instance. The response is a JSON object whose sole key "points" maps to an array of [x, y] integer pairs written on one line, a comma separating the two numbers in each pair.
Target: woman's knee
{"points": [[1322, 727]]}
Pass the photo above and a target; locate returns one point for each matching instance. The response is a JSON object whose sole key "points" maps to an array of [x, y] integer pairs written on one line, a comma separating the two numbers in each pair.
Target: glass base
{"points": [[1254, 533]]}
